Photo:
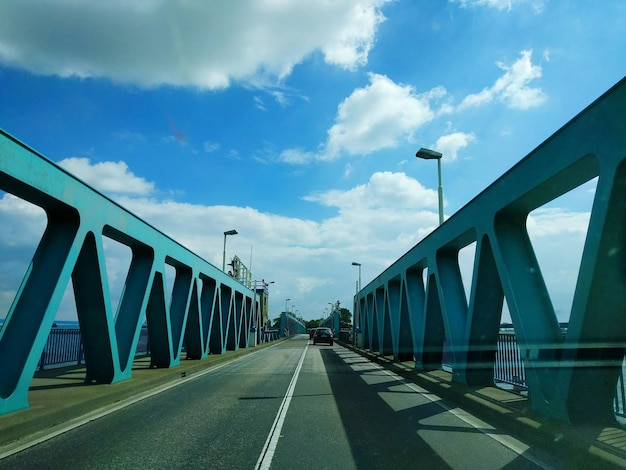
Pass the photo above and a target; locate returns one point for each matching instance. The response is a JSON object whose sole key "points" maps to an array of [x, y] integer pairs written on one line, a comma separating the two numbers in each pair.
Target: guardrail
{"points": [[64, 346], [509, 369], [508, 365]]}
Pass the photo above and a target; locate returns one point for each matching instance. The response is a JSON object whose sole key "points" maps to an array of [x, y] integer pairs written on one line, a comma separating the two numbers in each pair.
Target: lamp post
{"points": [[428, 154], [357, 312], [266, 306], [228, 232], [354, 263], [286, 300]]}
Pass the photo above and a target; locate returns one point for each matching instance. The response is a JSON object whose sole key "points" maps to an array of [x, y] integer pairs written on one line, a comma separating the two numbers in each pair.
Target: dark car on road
{"points": [[323, 335], [311, 333]]}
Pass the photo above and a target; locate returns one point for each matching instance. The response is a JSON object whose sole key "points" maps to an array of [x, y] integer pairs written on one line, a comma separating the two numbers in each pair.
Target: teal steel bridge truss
{"points": [[290, 325], [419, 302], [208, 310]]}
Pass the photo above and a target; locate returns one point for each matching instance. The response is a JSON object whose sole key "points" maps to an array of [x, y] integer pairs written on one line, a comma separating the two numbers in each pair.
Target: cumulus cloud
{"points": [[199, 44], [372, 118], [375, 117], [107, 177], [384, 190], [512, 88], [450, 144]]}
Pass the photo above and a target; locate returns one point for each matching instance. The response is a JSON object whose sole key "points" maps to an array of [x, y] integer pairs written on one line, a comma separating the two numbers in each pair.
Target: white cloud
{"points": [[22, 223], [547, 222], [347, 170], [108, 177], [376, 117], [200, 44], [258, 102], [355, 39], [537, 5], [558, 237], [210, 147], [372, 118], [450, 144], [296, 156], [512, 88], [384, 190]]}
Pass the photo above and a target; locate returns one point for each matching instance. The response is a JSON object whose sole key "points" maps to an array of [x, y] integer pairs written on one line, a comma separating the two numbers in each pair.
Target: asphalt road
{"points": [[290, 406]]}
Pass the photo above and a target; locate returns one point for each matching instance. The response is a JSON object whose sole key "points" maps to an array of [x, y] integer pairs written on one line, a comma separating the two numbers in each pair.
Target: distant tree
{"points": [[276, 323], [312, 324], [345, 318]]}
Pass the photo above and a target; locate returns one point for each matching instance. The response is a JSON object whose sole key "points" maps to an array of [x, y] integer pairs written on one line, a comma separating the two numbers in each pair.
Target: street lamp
{"points": [[357, 312], [228, 232], [354, 263], [428, 154], [286, 300]]}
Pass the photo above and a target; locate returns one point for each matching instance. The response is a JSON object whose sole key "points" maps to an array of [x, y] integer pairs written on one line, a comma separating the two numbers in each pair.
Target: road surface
{"points": [[294, 405]]}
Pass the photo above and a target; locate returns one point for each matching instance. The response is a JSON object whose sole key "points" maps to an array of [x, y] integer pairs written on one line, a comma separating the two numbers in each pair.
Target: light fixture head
{"points": [[231, 232], [428, 154]]}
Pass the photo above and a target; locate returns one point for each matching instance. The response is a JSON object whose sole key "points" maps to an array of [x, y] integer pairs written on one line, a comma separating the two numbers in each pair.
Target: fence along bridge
{"points": [[410, 308], [212, 311]]}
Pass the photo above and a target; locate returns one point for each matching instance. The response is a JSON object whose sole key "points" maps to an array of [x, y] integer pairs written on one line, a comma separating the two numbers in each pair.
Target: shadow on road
{"points": [[390, 426]]}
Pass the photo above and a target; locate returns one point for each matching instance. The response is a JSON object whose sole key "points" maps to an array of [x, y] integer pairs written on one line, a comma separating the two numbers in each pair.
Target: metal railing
{"points": [[509, 366], [508, 369], [64, 346]]}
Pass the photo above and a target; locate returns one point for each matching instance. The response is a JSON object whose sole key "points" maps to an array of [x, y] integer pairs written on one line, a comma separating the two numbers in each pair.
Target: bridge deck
{"points": [[58, 398]]}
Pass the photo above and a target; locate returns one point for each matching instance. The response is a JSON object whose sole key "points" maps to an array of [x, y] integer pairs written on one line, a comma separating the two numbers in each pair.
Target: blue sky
{"points": [[296, 123]]}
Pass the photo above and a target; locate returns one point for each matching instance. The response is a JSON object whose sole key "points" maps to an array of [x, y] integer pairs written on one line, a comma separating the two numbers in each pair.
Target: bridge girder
{"points": [[571, 377]]}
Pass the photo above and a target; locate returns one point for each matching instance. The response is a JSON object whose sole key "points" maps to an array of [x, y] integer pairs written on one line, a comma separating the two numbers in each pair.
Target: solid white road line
{"points": [[267, 454]]}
